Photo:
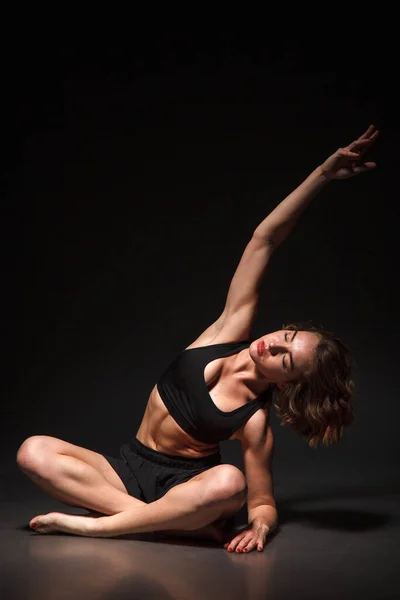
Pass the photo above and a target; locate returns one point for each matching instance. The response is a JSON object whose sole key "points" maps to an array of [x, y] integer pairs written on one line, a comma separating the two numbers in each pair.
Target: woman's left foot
{"points": [[75, 524]]}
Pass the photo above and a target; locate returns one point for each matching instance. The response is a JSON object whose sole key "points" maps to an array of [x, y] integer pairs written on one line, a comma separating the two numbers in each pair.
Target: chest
{"points": [[225, 389], [206, 392]]}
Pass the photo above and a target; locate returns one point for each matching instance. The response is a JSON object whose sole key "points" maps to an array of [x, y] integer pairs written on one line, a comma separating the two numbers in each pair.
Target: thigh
{"points": [[224, 475], [222, 482], [38, 445]]}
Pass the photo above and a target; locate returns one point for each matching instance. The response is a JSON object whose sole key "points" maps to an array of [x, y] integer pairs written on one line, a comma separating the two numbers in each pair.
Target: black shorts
{"points": [[148, 474]]}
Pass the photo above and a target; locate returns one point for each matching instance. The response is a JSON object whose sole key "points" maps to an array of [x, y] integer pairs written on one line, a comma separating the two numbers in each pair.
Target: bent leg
{"points": [[215, 493], [74, 475]]}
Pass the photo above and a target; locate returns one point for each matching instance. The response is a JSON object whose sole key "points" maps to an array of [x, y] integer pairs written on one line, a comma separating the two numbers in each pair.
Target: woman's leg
{"points": [[85, 479], [216, 493], [74, 475]]}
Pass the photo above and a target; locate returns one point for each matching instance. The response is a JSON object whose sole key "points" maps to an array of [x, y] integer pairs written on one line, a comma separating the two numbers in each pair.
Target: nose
{"points": [[275, 348]]}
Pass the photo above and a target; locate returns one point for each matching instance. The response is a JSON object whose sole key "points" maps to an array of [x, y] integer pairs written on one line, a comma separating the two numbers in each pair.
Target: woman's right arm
{"points": [[242, 300], [241, 306]]}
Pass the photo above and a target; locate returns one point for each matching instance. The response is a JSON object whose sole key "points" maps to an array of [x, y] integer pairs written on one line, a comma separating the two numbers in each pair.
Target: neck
{"points": [[245, 370]]}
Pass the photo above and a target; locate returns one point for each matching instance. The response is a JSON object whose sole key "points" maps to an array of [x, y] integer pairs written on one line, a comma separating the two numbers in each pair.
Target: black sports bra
{"points": [[184, 392]]}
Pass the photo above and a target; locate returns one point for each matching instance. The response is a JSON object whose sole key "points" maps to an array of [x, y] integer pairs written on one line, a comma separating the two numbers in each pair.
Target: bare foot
{"points": [[75, 524]]}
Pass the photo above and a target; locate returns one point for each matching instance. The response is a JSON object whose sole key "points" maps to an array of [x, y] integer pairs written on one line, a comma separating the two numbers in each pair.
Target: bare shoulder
{"points": [[257, 432]]}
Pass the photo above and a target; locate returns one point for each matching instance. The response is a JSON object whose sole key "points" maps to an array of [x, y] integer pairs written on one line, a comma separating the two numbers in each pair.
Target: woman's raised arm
{"points": [[243, 295]]}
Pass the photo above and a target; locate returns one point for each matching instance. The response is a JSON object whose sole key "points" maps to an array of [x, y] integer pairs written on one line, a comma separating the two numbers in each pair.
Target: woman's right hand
{"points": [[346, 162]]}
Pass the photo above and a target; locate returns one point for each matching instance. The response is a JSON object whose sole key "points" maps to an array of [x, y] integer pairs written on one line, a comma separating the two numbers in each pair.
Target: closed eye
{"points": [[290, 355], [283, 357]]}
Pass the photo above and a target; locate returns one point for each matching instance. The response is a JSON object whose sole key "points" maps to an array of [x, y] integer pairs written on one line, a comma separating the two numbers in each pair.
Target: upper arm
{"points": [[244, 289], [257, 441], [240, 310]]}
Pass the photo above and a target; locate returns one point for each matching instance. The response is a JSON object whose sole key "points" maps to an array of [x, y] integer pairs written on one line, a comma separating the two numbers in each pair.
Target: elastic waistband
{"points": [[170, 460]]}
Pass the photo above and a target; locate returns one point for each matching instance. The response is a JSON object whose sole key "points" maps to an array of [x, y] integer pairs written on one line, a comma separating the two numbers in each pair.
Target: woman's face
{"points": [[284, 355]]}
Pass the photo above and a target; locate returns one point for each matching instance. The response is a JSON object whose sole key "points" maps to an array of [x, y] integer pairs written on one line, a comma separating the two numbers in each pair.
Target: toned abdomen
{"points": [[158, 430]]}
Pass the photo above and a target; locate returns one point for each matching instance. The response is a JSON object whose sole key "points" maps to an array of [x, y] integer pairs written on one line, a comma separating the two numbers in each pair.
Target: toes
{"points": [[35, 522], [44, 529], [42, 523]]}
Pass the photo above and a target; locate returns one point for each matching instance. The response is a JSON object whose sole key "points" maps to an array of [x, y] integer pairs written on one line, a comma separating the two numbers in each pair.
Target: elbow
{"points": [[264, 240]]}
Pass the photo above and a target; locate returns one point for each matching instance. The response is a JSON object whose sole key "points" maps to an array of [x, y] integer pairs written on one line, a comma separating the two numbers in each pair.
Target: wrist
{"points": [[323, 175], [264, 523]]}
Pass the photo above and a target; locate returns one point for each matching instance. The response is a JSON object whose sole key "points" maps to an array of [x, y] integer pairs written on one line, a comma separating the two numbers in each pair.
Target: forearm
{"points": [[280, 222], [265, 514]]}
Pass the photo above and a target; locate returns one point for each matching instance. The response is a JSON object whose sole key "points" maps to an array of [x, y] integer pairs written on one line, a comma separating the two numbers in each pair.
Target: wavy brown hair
{"points": [[318, 405]]}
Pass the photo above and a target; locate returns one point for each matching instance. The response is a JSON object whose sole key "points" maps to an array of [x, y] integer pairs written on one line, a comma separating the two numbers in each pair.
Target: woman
{"points": [[170, 477]]}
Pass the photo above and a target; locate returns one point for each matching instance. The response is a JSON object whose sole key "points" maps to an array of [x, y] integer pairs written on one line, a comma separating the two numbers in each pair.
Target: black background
{"points": [[134, 173]]}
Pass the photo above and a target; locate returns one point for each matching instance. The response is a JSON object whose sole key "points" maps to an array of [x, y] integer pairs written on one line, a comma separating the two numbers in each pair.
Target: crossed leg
{"points": [[83, 478]]}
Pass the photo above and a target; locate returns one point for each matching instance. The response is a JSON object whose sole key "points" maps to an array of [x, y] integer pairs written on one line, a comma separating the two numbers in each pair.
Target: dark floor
{"points": [[341, 543]]}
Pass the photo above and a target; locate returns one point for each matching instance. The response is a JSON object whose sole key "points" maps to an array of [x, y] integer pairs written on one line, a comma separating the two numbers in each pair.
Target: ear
{"points": [[280, 384]]}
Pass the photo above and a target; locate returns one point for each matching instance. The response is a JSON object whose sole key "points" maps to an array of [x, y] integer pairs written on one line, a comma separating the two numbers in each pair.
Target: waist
{"points": [[176, 460]]}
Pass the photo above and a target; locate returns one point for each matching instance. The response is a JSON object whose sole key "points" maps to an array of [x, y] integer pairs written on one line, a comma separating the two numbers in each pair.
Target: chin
{"points": [[253, 352]]}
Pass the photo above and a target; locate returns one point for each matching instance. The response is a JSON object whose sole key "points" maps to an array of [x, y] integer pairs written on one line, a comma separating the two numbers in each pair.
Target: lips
{"points": [[260, 348]]}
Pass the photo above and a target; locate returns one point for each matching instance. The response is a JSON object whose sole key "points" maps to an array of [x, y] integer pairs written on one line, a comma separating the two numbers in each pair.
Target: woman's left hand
{"points": [[250, 538], [346, 162]]}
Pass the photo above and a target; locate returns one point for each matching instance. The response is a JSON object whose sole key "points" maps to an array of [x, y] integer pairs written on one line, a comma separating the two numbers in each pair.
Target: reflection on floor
{"points": [[333, 544]]}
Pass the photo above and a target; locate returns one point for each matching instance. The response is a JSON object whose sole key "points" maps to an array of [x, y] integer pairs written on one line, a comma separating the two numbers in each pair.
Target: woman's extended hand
{"points": [[250, 538], [347, 162]]}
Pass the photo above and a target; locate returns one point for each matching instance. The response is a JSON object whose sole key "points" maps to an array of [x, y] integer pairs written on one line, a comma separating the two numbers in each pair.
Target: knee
{"points": [[228, 484], [31, 453]]}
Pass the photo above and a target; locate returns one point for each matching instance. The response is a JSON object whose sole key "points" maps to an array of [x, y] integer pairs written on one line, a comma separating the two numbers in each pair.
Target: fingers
{"points": [[371, 133], [249, 546], [368, 166], [365, 140], [233, 544], [374, 135], [245, 543], [361, 144]]}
